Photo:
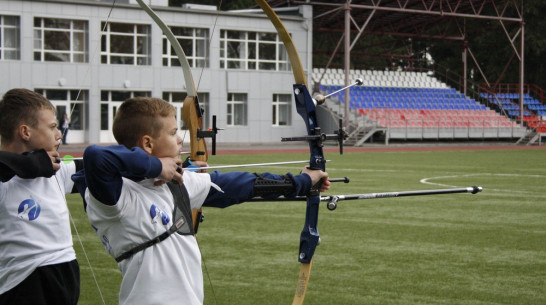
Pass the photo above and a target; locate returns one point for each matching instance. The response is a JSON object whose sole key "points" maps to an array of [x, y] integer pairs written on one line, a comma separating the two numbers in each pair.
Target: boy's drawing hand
{"points": [[55, 159], [171, 170], [316, 176]]}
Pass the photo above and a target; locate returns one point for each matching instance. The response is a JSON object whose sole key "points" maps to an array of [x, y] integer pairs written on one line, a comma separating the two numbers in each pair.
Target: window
{"points": [[71, 102], [109, 103], [125, 44], [9, 37], [252, 51], [177, 99], [281, 109], [236, 109], [194, 42], [60, 40]]}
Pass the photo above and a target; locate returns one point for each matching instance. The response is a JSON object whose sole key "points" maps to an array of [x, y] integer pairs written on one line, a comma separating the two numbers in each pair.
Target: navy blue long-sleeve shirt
{"points": [[104, 167]]}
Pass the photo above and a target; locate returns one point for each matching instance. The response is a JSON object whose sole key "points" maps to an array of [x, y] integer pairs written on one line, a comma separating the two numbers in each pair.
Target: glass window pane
{"points": [[121, 27], [56, 23], [201, 48], [142, 45], [284, 115], [79, 42], [120, 96], [79, 25], [56, 57], [11, 20], [104, 95], [234, 35], [267, 36], [233, 64], [267, 51], [11, 38], [178, 97], [54, 40], [104, 117], [251, 51], [234, 49], [267, 66], [201, 32], [76, 116], [59, 95], [11, 54], [121, 44], [122, 60], [186, 45]]}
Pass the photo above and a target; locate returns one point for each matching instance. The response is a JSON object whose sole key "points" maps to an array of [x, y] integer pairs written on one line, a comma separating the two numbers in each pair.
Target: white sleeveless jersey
{"points": [[168, 272], [34, 225]]}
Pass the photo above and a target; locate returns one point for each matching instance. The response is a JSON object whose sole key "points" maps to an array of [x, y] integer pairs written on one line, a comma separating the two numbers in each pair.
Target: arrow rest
{"points": [[202, 134]]}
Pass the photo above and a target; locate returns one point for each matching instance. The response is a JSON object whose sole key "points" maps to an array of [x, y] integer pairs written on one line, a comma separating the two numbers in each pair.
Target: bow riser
{"points": [[193, 117], [309, 237], [307, 110]]}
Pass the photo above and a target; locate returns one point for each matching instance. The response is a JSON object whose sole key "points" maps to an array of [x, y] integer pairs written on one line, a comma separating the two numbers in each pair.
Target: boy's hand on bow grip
{"points": [[316, 176], [171, 170]]}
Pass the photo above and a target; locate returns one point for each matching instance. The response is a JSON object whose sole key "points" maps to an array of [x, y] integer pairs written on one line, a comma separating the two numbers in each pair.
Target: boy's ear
{"points": [[24, 132], [147, 143]]}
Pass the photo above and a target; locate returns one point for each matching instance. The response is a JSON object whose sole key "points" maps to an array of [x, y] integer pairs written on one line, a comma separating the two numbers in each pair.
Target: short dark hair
{"points": [[137, 117], [20, 106]]}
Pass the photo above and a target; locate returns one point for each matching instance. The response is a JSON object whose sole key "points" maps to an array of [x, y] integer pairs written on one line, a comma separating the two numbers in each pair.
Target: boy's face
{"points": [[168, 143], [46, 134]]}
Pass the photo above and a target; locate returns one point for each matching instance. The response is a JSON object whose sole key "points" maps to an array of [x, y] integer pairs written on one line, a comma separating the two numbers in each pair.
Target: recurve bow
{"points": [[306, 107]]}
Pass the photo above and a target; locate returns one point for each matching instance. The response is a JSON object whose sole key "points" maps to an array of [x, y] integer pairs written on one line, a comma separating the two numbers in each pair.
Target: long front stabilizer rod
{"points": [[332, 200]]}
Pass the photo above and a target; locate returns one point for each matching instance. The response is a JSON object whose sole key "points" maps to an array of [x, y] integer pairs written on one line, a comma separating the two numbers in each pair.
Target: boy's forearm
{"points": [[29, 165], [241, 186]]}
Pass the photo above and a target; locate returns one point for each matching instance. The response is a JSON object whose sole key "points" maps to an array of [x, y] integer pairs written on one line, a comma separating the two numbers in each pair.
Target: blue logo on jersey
{"points": [[157, 213], [29, 209]]}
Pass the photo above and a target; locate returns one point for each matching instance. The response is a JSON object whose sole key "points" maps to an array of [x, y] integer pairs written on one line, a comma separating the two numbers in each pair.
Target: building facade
{"points": [[87, 57]]}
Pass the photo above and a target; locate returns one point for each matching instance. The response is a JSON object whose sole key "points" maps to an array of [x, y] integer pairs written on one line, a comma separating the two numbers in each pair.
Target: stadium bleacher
{"points": [[510, 103], [396, 99]]}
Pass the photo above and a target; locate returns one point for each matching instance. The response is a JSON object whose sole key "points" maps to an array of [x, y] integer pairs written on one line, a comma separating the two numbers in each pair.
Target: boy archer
{"points": [[37, 262], [135, 210]]}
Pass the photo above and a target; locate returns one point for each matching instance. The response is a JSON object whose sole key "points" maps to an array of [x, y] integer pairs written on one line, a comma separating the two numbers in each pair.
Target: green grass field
{"points": [[488, 248]]}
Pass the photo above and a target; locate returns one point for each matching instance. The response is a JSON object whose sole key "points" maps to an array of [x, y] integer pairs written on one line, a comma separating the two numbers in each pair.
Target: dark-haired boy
{"points": [[37, 262]]}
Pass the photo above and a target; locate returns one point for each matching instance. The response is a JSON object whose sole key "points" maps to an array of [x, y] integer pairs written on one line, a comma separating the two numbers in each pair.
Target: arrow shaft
{"points": [[252, 164]]}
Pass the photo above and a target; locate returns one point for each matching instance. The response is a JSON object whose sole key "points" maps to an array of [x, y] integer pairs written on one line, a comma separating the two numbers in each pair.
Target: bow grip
{"points": [[309, 238]]}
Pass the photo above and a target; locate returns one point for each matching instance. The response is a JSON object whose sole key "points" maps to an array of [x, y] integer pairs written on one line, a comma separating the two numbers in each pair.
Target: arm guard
{"points": [[27, 166], [264, 186]]}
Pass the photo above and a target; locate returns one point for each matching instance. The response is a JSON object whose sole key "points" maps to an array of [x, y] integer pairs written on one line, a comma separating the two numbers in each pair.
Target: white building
{"points": [[87, 57]]}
